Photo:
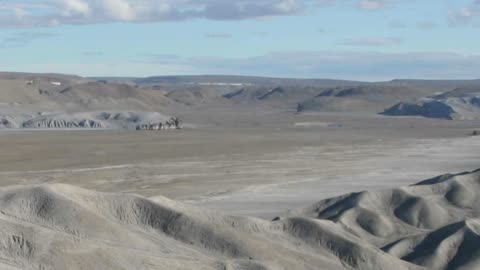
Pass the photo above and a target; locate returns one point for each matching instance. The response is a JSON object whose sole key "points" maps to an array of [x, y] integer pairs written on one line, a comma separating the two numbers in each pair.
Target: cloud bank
{"points": [[31, 13], [55, 12], [16, 13], [329, 64]]}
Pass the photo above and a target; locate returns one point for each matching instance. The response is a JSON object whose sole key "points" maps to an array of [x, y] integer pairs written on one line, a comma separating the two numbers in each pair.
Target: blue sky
{"points": [[347, 39]]}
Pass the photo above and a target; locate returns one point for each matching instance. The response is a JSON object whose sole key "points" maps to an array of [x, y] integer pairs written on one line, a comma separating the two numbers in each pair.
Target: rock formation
{"points": [[172, 123], [430, 109], [61, 123], [7, 122], [460, 103]]}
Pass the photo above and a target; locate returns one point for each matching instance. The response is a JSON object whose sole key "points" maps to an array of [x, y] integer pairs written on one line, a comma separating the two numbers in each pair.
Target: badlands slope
{"points": [[431, 225], [461, 103], [61, 101], [371, 98]]}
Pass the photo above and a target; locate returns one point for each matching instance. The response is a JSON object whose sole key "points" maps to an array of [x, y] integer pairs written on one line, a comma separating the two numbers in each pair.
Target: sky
{"points": [[340, 39]]}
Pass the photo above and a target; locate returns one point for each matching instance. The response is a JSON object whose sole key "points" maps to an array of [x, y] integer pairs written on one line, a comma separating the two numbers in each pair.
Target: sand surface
{"points": [[243, 171]]}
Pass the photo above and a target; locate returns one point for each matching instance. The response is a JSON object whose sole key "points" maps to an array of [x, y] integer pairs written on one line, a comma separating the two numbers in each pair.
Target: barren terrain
{"points": [[306, 175], [250, 171]]}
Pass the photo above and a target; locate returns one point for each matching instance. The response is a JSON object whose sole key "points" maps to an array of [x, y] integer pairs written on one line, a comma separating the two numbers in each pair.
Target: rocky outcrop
{"points": [[103, 119], [234, 94], [460, 103], [273, 92], [7, 122], [61, 123], [431, 109], [90, 124], [172, 123], [44, 92]]}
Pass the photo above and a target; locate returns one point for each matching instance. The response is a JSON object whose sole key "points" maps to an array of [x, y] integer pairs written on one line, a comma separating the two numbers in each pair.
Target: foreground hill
{"points": [[434, 224], [431, 225]]}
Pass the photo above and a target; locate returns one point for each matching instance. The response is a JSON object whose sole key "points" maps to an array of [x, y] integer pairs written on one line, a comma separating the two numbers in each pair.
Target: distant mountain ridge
{"points": [[266, 81], [58, 99]]}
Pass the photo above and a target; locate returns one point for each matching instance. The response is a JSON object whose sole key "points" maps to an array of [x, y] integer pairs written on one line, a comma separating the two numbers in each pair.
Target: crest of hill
{"points": [[44, 76], [192, 95], [435, 85], [243, 81], [34, 88], [460, 92], [61, 89], [111, 92], [19, 91], [371, 98], [287, 94]]}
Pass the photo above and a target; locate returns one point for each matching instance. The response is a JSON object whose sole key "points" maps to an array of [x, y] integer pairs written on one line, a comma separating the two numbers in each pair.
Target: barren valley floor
{"points": [[260, 171]]}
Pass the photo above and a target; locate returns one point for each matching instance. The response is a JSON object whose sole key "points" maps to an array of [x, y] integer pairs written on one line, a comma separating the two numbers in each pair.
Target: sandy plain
{"points": [[255, 171]]}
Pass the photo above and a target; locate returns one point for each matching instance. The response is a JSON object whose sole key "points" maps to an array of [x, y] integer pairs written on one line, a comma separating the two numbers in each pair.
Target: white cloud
{"points": [[75, 6], [121, 10], [373, 4], [466, 14], [370, 4]]}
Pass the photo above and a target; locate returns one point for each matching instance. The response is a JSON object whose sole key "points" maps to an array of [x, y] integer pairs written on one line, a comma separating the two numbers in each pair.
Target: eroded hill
{"points": [[431, 225]]}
